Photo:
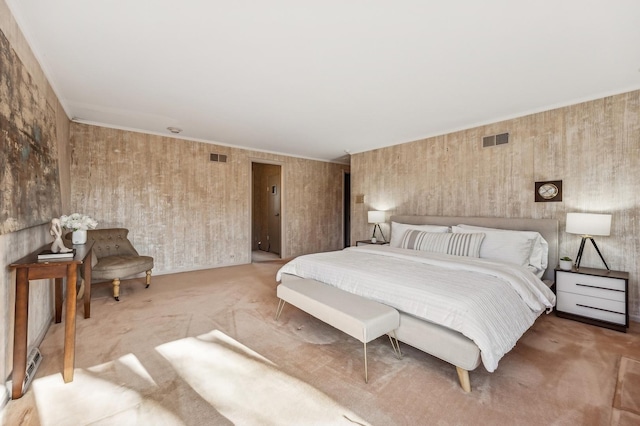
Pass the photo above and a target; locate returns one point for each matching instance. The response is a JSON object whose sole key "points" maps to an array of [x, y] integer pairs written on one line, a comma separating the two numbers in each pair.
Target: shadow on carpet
{"points": [[626, 401]]}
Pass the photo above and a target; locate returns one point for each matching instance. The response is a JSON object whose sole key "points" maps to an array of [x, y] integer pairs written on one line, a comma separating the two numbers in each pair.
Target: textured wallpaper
{"points": [[190, 213], [593, 147]]}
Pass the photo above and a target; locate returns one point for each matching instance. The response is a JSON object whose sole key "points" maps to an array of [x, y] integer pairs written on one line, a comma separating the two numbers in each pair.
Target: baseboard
{"points": [[201, 268], [177, 271], [5, 395]]}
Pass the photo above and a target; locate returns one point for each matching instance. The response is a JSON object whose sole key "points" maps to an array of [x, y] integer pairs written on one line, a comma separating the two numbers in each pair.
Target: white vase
{"points": [[566, 265], [79, 237]]}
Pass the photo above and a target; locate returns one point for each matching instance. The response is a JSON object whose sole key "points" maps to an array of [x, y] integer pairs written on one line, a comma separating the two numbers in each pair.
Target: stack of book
{"points": [[49, 255]]}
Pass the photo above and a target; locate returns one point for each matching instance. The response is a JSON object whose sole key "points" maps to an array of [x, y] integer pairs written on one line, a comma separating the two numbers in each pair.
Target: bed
{"points": [[495, 295]]}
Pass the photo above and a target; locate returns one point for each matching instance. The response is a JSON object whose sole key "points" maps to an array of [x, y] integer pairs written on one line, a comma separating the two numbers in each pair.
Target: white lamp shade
{"points": [[376, 216], [588, 224]]}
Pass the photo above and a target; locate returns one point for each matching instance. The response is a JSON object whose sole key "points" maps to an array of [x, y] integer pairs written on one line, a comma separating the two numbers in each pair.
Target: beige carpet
{"points": [[243, 386], [626, 402], [202, 348]]}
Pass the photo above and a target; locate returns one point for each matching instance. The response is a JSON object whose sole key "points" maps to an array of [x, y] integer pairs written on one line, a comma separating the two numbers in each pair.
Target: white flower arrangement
{"points": [[78, 222]]}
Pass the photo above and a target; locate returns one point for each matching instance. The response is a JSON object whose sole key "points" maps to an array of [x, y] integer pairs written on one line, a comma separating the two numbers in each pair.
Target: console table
{"points": [[30, 268]]}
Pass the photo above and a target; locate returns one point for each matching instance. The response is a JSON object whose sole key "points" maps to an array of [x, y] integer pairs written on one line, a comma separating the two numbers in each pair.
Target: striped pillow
{"points": [[447, 243]]}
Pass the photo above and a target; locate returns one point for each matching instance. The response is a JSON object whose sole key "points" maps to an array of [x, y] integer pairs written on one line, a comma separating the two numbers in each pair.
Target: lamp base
{"points": [[579, 257], [373, 237]]}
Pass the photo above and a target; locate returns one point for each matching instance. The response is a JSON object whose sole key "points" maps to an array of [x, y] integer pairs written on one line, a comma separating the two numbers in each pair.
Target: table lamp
{"points": [[588, 225], [376, 217]]}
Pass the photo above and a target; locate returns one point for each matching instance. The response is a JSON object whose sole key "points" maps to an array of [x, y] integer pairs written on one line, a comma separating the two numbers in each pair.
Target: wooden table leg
{"points": [[20, 332], [59, 298], [70, 324], [87, 285]]}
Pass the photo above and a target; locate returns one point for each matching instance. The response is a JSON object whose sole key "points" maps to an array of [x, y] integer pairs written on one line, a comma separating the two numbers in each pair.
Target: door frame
{"points": [[252, 161]]}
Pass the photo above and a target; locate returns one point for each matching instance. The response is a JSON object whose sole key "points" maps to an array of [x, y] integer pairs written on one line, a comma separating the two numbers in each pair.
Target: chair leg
{"points": [[148, 278], [116, 289], [81, 289]]}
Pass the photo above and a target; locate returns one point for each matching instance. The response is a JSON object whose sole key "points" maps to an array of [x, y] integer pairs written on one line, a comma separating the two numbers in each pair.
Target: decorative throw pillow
{"points": [[506, 246], [462, 244], [398, 230], [538, 258]]}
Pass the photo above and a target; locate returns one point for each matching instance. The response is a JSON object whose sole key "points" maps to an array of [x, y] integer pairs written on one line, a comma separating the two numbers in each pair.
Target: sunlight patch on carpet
{"points": [[247, 388], [109, 393]]}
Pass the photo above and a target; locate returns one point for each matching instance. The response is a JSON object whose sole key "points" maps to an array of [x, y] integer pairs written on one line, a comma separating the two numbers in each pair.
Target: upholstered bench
{"points": [[354, 315]]}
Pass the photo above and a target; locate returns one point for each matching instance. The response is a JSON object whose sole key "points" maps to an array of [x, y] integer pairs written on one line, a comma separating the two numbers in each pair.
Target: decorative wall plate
{"points": [[550, 190]]}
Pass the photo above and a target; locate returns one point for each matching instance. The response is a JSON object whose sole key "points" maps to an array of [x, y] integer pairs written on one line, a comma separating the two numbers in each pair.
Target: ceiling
{"points": [[321, 79]]}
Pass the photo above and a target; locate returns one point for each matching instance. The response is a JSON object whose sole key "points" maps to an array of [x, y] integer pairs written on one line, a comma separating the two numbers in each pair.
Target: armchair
{"points": [[114, 257]]}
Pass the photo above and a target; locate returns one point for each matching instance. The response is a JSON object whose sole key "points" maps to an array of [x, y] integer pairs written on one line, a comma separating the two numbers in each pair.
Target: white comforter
{"points": [[489, 302]]}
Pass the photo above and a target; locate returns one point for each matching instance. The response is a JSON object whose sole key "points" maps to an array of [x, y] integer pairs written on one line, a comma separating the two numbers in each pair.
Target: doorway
{"points": [[266, 217], [346, 210]]}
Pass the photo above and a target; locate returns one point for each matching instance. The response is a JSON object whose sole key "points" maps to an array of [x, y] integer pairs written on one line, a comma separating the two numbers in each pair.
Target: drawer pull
{"points": [[601, 288], [599, 309]]}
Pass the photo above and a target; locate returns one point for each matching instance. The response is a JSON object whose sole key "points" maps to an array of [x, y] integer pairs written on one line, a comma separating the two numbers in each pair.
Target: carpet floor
{"points": [[203, 348]]}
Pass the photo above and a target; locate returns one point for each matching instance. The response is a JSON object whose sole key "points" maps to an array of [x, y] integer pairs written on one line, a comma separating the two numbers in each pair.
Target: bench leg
{"points": [[395, 345], [281, 304], [366, 373]]}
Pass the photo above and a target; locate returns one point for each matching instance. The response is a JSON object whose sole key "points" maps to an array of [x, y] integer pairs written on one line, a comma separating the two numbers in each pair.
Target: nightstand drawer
{"points": [[589, 285], [594, 296], [592, 307]]}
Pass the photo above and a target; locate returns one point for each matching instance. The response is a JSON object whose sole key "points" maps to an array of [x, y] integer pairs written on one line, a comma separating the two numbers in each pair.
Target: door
{"points": [[273, 209], [266, 208]]}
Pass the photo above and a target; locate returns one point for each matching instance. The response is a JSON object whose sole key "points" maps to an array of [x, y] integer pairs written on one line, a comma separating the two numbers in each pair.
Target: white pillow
{"points": [[506, 246], [461, 244], [539, 257], [398, 230]]}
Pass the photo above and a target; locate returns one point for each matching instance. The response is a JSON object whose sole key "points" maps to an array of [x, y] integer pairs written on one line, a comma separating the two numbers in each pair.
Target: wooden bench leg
{"points": [[463, 376], [116, 289], [148, 278]]}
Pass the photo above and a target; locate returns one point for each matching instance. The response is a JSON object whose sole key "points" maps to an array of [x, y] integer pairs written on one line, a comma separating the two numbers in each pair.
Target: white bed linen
{"points": [[489, 302]]}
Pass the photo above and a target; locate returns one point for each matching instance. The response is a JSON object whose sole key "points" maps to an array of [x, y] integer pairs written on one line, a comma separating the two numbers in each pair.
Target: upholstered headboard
{"points": [[548, 228]]}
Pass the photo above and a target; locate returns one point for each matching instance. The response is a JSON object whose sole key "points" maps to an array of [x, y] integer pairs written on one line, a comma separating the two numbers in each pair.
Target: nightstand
{"points": [[594, 296], [378, 243]]}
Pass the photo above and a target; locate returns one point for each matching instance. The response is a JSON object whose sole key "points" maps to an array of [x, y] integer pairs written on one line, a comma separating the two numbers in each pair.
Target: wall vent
{"points": [[33, 362], [488, 141], [218, 158], [501, 139]]}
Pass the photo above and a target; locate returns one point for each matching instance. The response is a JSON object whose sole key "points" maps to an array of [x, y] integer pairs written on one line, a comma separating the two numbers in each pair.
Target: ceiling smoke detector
{"points": [[175, 130]]}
